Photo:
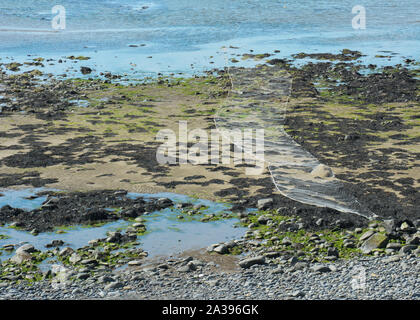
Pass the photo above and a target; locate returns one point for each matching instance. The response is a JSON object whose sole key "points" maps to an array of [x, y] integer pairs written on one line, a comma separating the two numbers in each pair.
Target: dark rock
{"points": [[85, 70]]}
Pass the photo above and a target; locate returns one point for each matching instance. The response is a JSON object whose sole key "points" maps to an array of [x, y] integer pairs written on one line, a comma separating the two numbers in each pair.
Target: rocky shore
{"points": [[280, 257], [393, 278], [96, 139]]}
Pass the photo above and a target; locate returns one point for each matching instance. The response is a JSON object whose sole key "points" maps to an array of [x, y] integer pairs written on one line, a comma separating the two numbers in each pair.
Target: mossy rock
{"points": [[376, 241]]}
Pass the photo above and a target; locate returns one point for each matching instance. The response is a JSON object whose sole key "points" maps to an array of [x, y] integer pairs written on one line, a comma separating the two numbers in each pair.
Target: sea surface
{"points": [[144, 38]]}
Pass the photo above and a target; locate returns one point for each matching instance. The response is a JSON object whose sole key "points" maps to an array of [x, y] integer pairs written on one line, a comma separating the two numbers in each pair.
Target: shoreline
{"points": [[61, 145]]}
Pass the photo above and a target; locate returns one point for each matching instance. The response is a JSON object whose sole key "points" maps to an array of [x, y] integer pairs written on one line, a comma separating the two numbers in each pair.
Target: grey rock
{"points": [[263, 219], [55, 243], [75, 258], [394, 246], [390, 225], [367, 235], [286, 241], [278, 270], [320, 268], [29, 248], [408, 249], [264, 204], [65, 251], [298, 294], [246, 263], [407, 227], [82, 276], [134, 263], [113, 285], [221, 249], [212, 283], [391, 259], [415, 240], [375, 241], [332, 251], [212, 247], [105, 279], [187, 268], [21, 257]]}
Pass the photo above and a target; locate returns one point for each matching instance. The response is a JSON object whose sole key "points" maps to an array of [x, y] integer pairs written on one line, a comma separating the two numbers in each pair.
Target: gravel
{"points": [[363, 278]]}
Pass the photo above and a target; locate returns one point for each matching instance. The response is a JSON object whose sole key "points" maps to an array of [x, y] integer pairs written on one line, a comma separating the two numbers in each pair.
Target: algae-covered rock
{"points": [[376, 241]]}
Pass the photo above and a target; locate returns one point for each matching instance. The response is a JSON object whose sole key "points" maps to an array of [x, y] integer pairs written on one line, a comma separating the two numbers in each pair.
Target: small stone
{"points": [[320, 268], [407, 249], [264, 204], [332, 267], [242, 215], [113, 285], [246, 263], [75, 258], [391, 259], [278, 270], [54, 243], [65, 251], [82, 276], [415, 240], [407, 227], [21, 257], [390, 225], [133, 263], [105, 279], [394, 246], [187, 268], [221, 249], [286, 241], [367, 235], [85, 70], [332, 251], [89, 262], [77, 291], [298, 294], [212, 283], [28, 248], [263, 219], [94, 242], [211, 247]]}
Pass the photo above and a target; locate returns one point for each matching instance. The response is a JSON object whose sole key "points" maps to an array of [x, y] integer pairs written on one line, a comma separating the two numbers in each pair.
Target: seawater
{"points": [[166, 234], [184, 36]]}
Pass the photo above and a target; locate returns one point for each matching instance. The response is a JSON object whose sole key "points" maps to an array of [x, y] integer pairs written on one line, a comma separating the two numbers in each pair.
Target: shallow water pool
{"points": [[166, 234]]}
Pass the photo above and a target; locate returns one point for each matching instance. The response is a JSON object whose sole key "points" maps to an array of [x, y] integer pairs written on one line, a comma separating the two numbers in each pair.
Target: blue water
{"points": [[167, 235], [185, 35]]}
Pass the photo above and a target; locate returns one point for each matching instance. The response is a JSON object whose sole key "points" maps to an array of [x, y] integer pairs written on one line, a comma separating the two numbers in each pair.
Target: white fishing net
{"points": [[258, 100]]}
